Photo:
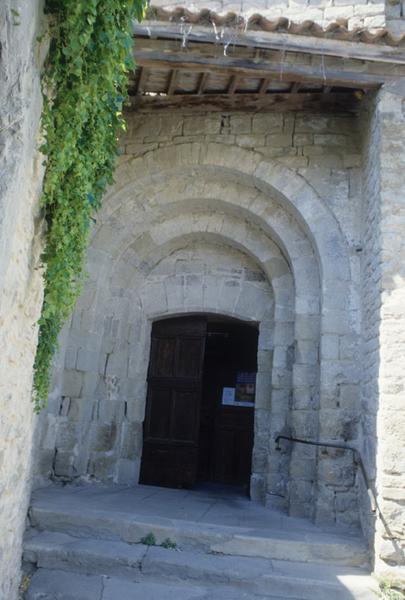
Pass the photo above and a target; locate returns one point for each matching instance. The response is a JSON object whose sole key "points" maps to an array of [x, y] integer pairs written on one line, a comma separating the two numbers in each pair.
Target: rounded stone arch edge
{"points": [[293, 191], [210, 312]]}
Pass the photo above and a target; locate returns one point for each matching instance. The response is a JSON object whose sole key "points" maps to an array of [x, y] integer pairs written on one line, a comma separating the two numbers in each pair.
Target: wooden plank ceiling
{"points": [[208, 76]]}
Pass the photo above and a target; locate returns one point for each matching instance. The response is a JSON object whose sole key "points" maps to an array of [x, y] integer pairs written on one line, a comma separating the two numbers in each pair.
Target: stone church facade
{"points": [[290, 219]]}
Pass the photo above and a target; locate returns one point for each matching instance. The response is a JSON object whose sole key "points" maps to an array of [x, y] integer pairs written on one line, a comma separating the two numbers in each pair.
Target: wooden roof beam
{"points": [[260, 69], [318, 102]]}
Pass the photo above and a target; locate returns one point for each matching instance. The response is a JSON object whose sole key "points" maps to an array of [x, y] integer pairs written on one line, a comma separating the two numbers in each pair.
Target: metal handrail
{"points": [[356, 459]]}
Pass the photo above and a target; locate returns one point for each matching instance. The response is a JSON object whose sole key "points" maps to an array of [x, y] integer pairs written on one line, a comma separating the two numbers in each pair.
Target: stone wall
{"points": [[390, 544], [383, 410], [370, 266], [280, 189], [20, 280], [395, 14]]}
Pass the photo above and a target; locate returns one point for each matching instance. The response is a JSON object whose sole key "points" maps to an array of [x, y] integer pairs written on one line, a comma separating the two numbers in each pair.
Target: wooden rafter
{"points": [[264, 85], [141, 79], [202, 84], [172, 82], [233, 84], [251, 78]]}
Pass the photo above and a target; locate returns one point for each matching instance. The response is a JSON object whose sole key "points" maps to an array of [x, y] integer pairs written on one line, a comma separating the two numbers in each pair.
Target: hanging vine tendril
{"points": [[84, 87]]}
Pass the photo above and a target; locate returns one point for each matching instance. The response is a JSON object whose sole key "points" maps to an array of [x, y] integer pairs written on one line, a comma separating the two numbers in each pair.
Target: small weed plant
{"points": [[169, 544], [390, 590], [150, 540]]}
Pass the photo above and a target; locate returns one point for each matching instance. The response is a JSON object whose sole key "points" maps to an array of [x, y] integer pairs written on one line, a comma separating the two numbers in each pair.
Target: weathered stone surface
{"points": [[145, 566], [384, 318], [71, 586], [20, 278], [128, 514], [64, 586]]}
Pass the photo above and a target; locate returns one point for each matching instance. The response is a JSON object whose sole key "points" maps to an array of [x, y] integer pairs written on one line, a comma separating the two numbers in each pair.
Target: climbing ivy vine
{"points": [[84, 89]]}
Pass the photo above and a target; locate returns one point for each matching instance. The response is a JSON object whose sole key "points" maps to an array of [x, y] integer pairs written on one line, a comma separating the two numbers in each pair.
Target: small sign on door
{"points": [[228, 396], [243, 394], [245, 389]]}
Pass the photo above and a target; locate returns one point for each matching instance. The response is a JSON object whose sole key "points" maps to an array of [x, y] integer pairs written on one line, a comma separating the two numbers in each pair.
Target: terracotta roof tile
{"points": [[336, 30]]}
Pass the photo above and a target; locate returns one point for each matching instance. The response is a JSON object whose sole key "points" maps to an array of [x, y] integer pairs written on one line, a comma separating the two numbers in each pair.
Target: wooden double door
{"points": [[189, 435]]}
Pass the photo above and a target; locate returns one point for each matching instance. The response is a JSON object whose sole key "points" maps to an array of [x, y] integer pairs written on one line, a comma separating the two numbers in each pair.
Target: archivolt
{"points": [[291, 190]]}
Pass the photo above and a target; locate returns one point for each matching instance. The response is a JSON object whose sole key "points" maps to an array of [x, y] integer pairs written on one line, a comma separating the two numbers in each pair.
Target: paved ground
{"points": [[208, 505]]}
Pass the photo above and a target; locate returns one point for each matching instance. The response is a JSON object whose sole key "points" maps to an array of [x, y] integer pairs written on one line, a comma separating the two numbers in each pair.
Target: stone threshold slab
{"points": [[214, 538], [50, 550], [63, 585]]}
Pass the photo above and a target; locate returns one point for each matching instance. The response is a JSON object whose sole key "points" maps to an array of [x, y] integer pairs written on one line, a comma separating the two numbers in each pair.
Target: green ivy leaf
{"points": [[86, 72]]}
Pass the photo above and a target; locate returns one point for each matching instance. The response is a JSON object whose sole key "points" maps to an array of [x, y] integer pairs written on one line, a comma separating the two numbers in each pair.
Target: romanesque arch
{"points": [[258, 210]]}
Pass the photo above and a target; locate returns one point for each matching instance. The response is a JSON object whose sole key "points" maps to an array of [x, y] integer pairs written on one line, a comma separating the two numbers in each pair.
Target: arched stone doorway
{"points": [[208, 275], [200, 230]]}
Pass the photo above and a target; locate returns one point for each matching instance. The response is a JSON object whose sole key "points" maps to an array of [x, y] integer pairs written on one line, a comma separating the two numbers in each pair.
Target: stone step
{"points": [[65, 585], [137, 562], [296, 544]]}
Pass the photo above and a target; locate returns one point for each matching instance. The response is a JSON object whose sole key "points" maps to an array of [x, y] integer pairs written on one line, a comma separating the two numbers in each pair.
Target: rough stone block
{"points": [[306, 352], [338, 473], [251, 141], [302, 469], [330, 347], [63, 464], [240, 124], [263, 390], [127, 472], [307, 327], [102, 466], [103, 437], [131, 440], [304, 424], [72, 383], [66, 437], [111, 411], [197, 125], [87, 360], [265, 123]]}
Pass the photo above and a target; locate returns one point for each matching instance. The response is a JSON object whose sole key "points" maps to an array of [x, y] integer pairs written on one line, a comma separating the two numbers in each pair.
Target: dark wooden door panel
{"points": [[189, 361], [170, 452], [159, 414], [226, 431], [232, 454], [171, 467], [163, 354], [185, 411]]}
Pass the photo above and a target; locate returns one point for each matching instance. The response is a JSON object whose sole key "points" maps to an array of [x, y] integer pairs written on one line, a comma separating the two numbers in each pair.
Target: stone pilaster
{"points": [[383, 398]]}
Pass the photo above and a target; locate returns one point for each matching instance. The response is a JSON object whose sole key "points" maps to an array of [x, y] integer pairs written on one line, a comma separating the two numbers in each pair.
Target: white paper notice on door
{"points": [[228, 396]]}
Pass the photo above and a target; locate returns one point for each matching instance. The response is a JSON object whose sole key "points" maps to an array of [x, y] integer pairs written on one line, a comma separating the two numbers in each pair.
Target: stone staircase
{"points": [[86, 551]]}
